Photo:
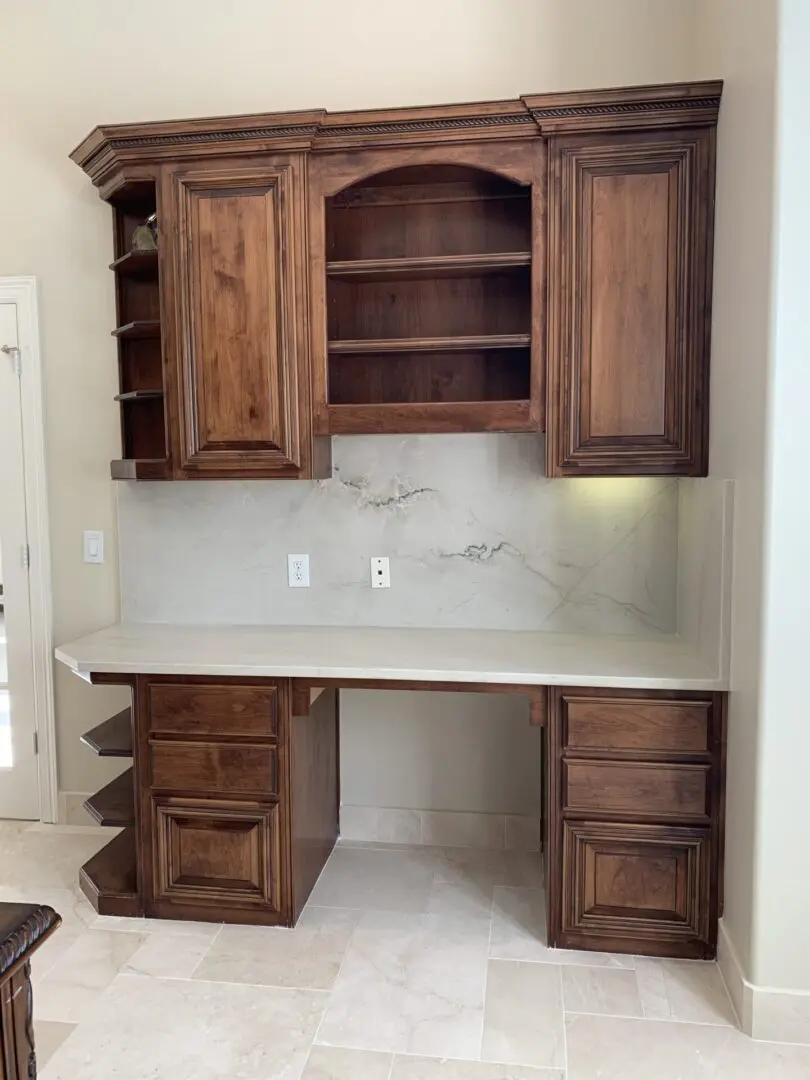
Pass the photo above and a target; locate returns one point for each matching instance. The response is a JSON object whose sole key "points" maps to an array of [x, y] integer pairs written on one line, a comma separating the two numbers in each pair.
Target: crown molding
{"points": [[109, 149]]}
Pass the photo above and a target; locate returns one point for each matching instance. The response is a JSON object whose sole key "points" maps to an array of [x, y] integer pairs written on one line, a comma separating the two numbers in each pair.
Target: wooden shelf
{"points": [[438, 344], [416, 417], [141, 328], [110, 881], [140, 469], [427, 267], [113, 738], [137, 264], [115, 804], [139, 395]]}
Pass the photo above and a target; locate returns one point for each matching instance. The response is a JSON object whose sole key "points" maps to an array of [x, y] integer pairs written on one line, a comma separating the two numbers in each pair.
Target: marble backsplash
{"points": [[476, 535]]}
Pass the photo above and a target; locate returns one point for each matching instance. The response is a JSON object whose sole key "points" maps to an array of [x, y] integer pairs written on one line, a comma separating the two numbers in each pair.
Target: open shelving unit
{"points": [[429, 302], [110, 878], [138, 334]]}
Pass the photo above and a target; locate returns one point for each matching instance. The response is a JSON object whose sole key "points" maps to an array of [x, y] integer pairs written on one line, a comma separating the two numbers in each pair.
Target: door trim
{"points": [[22, 291]]}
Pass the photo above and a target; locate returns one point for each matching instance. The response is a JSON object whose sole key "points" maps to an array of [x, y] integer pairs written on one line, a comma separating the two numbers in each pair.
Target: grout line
{"points": [[207, 950], [486, 974], [564, 1011], [653, 1020]]}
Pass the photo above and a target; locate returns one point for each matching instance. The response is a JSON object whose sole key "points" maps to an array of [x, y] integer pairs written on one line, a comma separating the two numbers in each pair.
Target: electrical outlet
{"points": [[380, 572], [93, 546], [298, 571]]}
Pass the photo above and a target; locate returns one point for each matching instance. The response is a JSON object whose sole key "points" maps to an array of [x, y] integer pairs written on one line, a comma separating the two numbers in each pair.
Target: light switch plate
{"points": [[380, 572], [93, 546]]}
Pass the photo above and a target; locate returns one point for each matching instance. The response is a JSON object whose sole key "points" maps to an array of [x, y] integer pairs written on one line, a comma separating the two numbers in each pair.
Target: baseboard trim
{"points": [[766, 1013], [443, 828]]}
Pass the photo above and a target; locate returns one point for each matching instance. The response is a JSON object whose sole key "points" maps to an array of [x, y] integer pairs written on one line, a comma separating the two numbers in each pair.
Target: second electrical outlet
{"points": [[298, 571]]}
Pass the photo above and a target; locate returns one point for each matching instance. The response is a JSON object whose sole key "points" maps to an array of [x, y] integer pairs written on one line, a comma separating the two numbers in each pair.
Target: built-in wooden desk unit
{"points": [[231, 807]]}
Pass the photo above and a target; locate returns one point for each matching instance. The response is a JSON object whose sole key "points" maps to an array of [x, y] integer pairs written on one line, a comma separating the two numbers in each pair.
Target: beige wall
{"points": [[69, 66], [738, 42]]}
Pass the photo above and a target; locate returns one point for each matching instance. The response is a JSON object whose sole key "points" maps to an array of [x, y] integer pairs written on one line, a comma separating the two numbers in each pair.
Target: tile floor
{"points": [[409, 964]]}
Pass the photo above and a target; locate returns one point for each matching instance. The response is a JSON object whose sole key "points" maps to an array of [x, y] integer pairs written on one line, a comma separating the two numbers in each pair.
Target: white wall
{"points": [[69, 66], [781, 946], [737, 42]]}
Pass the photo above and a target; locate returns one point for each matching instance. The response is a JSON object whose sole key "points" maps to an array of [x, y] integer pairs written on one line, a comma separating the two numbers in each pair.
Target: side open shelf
{"points": [[113, 738], [114, 805], [109, 880]]}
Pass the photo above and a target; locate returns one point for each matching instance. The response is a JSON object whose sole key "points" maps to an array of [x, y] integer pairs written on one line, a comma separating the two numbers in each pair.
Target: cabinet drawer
{"points": [[216, 855], [648, 883], [636, 787], [594, 723], [213, 710], [214, 768]]}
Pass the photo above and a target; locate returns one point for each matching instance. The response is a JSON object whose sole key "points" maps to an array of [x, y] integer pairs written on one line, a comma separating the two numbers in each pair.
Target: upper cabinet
{"points": [[628, 336], [538, 265], [237, 317]]}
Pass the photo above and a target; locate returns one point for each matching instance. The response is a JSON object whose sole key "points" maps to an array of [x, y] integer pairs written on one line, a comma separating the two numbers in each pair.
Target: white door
{"points": [[19, 782]]}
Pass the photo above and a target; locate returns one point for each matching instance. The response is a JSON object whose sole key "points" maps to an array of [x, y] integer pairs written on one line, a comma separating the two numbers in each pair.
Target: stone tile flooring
{"points": [[409, 964]]}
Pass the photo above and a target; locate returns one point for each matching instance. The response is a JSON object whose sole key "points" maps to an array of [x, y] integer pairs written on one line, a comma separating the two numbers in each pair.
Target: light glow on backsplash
{"points": [[476, 535]]}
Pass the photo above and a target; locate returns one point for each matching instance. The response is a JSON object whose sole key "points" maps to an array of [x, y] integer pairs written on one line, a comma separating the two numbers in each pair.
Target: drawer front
{"points": [[645, 882], [677, 791], [214, 768], [216, 855], [593, 723], [188, 709]]}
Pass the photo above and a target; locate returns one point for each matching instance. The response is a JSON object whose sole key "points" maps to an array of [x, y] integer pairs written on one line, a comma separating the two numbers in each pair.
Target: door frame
{"points": [[22, 291]]}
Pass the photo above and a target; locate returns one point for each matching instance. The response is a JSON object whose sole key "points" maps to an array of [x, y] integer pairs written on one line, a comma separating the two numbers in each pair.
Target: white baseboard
{"points": [[387, 825], [71, 808], [765, 1012]]}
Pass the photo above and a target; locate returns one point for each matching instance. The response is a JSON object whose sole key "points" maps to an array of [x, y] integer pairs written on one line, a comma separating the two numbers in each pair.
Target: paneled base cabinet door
{"points": [[216, 855], [641, 888]]}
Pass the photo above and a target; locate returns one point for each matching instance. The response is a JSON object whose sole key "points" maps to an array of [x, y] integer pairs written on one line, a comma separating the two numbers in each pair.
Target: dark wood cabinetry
{"points": [[635, 821], [628, 345], [23, 928], [542, 263]]}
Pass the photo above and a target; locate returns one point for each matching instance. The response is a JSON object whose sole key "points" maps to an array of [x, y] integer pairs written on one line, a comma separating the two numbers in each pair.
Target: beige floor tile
{"points": [[72, 989], [47, 856], [519, 933], [167, 1028], [337, 1063], [464, 898], [418, 1068], [607, 1048], [683, 990], [48, 1037], [523, 1018], [411, 984], [380, 824], [308, 957], [168, 955], [609, 991], [156, 926], [489, 868], [376, 879]]}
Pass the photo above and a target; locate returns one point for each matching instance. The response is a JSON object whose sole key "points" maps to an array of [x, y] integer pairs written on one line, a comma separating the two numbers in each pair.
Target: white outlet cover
{"points": [[93, 546], [298, 571], [380, 572]]}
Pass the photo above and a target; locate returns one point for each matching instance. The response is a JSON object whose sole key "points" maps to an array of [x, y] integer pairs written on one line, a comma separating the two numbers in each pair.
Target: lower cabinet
{"points": [[650, 883], [216, 854]]}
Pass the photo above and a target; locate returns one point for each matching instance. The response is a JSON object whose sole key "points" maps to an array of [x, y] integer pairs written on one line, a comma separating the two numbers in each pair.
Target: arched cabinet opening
{"points": [[429, 301]]}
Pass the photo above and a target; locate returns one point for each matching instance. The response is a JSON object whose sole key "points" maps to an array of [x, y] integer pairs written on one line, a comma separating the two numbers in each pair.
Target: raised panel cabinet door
{"points": [[630, 250], [241, 346], [216, 855], [637, 888]]}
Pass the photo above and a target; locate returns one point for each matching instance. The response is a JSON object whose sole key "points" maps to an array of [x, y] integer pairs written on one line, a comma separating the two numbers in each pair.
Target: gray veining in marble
{"points": [[476, 535]]}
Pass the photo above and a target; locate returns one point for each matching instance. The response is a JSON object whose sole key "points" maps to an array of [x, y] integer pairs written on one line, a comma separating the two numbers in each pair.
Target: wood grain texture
{"points": [[646, 887], [315, 792], [205, 708], [630, 241], [634, 808], [110, 879], [23, 928], [216, 855], [608, 725], [210, 769], [636, 789], [114, 805], [113, 737]]}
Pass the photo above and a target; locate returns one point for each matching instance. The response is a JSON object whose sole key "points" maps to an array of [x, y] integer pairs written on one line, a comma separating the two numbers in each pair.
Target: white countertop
{"points": [[338, 652]]}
